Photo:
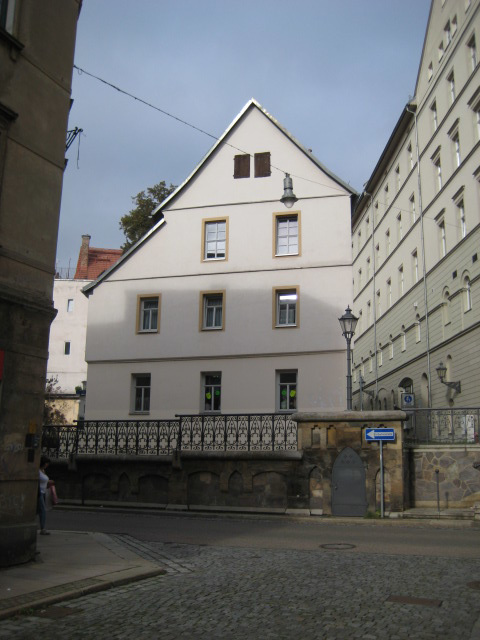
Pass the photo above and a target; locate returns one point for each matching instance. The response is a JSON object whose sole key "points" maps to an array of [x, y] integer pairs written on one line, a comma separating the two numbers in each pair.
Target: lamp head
{"points": [[288, 198], [348, 323], [441, 371]]}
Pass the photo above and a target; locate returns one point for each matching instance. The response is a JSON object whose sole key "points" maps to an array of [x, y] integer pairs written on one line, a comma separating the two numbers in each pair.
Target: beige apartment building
{"points": [[416, 233], [230, 304], [37, 41]]}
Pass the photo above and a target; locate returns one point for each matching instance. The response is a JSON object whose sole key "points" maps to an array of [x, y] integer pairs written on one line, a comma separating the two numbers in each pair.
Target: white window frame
{"points": [[212, 310], [286, 390], [287, 228], [145, 316], [141, 392], [211, 383], [289, 299], [433, 111], [472, 47], [214, 239], [413, 209], [70, 305], [415, 265], [451, 86], [467, 294]]}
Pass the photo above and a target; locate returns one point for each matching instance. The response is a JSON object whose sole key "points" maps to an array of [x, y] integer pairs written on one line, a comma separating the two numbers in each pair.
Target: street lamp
{"points": [[348, 322], [442, 372], [288, 198]]}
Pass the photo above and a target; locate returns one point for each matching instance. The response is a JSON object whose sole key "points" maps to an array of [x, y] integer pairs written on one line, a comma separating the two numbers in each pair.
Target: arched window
{"points": [[446, 306], [467, 294], [407, 385]]}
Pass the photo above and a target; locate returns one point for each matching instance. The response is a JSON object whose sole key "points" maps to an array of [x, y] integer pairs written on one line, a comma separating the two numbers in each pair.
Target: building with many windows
{"points": [[416, 233], [231, 302]]}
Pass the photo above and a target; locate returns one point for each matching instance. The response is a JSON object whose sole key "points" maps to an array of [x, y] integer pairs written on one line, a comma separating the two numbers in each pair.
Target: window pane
{"points": [[287, 235]]}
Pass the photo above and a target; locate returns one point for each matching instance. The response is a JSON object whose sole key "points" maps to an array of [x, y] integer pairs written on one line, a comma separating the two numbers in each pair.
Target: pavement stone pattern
{"points": [[231, 593]]}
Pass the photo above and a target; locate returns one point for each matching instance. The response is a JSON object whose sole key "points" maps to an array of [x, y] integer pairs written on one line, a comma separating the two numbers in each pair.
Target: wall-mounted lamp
{"points": [[442, 372], [288, 198]]}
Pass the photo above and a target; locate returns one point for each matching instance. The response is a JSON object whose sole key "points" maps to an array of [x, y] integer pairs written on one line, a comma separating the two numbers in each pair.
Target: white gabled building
{"points": [[231, 302]]}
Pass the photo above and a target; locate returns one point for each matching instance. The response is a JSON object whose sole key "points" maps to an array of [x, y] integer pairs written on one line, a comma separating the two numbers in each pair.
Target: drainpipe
{"points": [[374, 304], [424, 267]]}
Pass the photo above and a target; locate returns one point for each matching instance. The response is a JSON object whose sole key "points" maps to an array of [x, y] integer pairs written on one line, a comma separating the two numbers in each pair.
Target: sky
{"points": [[335, 73]]}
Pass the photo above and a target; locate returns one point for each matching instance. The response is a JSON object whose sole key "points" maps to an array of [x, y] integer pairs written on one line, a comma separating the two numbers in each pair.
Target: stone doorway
{"points": [[349, 497]]}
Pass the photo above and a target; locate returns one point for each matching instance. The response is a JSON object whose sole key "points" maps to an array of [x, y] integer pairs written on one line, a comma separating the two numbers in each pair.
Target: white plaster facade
{"points": [[68, 332], [248, 349], [421, 216]]}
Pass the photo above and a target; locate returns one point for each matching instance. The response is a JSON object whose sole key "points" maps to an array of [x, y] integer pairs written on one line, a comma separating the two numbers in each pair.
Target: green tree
{"points": [[140, 220], [54, 408]]}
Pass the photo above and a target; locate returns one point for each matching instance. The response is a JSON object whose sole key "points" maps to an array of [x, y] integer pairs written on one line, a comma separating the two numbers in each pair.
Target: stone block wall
{"points": [[458, 478]]}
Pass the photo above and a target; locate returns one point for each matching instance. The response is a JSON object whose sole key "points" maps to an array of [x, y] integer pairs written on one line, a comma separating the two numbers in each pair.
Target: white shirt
{"points": [[43, 481]]}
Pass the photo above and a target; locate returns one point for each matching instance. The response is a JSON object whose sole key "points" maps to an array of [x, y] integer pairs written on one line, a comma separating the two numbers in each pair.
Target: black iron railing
{"points": [[245, 432], [443, 426]]}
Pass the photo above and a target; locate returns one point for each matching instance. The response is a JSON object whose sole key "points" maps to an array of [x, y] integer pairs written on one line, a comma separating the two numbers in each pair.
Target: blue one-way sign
{"points": [[384, 435]]}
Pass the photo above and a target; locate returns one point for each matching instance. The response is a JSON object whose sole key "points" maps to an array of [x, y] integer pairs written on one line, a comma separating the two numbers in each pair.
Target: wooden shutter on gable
{"points": [[262, 164], [241, 166]]}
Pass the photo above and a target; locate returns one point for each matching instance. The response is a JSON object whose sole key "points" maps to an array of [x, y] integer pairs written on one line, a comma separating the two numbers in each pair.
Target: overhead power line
{"points": [[192, 126]]}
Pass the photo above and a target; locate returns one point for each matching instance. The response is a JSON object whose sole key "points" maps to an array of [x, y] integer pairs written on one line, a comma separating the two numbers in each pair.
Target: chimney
{"points": [[82, 264]]}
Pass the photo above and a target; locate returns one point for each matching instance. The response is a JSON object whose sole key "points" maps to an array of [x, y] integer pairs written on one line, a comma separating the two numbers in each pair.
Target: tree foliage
{"points": [[139, 220], [53, 408]]}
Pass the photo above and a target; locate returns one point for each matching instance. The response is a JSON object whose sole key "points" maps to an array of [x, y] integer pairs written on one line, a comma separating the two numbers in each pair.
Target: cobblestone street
{"points": [[229, 593]]}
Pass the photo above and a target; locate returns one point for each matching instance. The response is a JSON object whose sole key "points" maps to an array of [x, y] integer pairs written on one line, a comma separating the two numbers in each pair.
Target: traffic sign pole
{"points": [[381, 479]]}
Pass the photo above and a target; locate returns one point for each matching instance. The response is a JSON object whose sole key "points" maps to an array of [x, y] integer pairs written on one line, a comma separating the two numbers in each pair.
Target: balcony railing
{"points": [[443, 426], [245, 432]]}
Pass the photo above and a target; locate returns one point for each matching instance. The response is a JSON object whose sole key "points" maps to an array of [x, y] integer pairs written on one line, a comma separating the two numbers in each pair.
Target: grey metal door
{"points": [[349, 497]]}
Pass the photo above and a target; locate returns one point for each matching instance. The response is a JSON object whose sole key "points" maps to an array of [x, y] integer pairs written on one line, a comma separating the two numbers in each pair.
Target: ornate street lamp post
{"points": [[348, 323]]}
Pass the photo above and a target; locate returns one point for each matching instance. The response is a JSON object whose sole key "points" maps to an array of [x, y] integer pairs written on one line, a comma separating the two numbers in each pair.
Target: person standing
{"points": [[43, 484]]}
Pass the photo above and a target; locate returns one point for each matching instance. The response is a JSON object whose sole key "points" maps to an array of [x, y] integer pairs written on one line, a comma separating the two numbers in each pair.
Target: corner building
{"points": [[230, 304], [37, 41], [416, 232]]}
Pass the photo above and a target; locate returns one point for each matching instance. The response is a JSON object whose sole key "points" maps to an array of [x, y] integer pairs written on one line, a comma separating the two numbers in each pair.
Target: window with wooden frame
{"points": [[262, 164], [148, 313], [214, 239], [241, 166], [286, 234], [140, 393], [212, 310], [286, 306], [286, 384]]}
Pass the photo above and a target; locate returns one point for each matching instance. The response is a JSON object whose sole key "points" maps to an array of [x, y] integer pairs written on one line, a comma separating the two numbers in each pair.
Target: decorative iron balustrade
{"points": [[443, 426], [245, 432]]}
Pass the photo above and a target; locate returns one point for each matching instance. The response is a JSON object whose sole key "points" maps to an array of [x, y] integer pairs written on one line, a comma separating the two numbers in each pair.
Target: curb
{"points": [[30, 602]]}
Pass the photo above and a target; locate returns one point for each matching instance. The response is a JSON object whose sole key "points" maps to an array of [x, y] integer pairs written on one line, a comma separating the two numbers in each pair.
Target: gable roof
{"points": [[92, 261], [252, 103]]}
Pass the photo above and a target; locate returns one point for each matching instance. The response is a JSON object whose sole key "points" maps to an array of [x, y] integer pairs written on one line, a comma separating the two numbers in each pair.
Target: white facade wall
{"points": [[249, 350], [449, 253], [69, 326]]}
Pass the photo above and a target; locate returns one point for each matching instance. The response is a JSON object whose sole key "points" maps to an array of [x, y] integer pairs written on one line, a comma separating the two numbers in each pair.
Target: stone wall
{"points": [[262, 481], [458, 479]]}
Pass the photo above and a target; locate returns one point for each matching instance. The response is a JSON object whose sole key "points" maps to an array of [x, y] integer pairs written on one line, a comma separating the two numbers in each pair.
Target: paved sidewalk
{"points": [[69, 565]]}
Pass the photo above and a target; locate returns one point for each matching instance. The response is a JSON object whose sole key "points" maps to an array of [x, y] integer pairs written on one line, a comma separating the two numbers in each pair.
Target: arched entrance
{"points": [[349, 497]]}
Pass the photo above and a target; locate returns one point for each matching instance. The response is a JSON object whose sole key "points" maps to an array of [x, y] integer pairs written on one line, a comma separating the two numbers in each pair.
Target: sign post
{"points": [[380, 435]]}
